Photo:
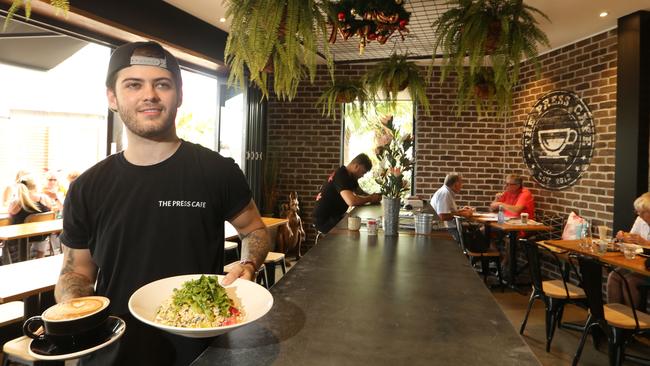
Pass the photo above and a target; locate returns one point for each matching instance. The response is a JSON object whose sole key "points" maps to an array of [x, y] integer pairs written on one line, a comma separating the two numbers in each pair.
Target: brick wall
{"points": [[483, 150]]}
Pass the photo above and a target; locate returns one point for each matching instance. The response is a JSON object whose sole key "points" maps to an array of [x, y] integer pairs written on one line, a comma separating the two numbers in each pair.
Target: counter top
{"points": [[360, 300]]}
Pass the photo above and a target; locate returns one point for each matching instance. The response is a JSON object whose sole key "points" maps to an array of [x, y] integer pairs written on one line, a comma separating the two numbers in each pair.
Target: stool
{"points": [[231, 245], [261, 278], [273, 258], [16, 351]]}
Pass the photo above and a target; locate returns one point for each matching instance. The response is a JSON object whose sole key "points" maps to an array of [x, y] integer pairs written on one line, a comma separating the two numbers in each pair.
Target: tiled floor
{"points": [[565, 341]]}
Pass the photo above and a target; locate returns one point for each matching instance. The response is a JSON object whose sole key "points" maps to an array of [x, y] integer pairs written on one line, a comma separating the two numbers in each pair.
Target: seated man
{"points": [[515, 199], [340, 191], [444, 203]]}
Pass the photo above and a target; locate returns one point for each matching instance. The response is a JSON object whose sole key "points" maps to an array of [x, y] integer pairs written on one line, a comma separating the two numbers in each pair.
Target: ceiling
{"points": [[571, 20], [14, 50]]}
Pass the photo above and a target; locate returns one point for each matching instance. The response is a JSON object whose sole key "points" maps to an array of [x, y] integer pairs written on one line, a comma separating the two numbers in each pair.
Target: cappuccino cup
{"points": [[70, 322]]}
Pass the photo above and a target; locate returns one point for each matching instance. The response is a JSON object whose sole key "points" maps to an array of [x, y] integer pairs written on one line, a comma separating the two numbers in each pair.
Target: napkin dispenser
{"points": [[414, 203]]}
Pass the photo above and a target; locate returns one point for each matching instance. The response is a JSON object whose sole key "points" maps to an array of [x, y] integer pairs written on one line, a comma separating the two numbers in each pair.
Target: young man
{"points": [[340, 191], [155, 210], [515, 199]]}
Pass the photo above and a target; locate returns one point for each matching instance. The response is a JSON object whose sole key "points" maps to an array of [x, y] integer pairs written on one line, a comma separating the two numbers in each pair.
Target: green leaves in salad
{"points": [[203, 295]]}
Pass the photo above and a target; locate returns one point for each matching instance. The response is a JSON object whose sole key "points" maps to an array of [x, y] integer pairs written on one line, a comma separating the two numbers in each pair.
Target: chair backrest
{"points": [[470, 236], [43, 216], [532, 255], [459, 227], [592, 283], [5, 221]]}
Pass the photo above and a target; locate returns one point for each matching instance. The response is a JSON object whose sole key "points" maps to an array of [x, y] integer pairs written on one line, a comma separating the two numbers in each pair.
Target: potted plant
{"points": [[340, 92], [275, 34], [394, 153], [393, 75], [59, 5], [487, 33]]}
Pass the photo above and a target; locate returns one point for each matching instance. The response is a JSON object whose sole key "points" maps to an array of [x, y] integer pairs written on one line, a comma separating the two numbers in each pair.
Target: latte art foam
{"points": [[75, 308]]}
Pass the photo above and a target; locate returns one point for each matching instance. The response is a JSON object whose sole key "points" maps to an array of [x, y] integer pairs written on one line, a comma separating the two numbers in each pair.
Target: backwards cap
{"points": [[123, 57]]}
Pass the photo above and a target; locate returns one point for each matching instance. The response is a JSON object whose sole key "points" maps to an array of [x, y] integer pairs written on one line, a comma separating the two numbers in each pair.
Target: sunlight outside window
{"points": [[359, 136]]}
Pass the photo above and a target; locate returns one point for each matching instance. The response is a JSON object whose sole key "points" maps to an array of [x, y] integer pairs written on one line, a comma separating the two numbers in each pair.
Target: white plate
{"points": [[117, 327], [254, 299]]}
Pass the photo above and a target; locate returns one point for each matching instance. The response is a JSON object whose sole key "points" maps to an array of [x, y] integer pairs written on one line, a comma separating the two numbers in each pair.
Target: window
{"points": [[359, 136], [44, 111]]}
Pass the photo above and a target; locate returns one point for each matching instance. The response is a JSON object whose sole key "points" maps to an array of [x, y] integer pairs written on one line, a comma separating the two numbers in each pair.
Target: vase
{"points": [[391, 215]]}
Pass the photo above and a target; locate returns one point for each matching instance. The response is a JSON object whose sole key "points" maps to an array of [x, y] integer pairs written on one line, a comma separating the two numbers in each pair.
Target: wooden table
{"points": [[510, 229], [28, 280], [24, 231], [614, 258], [355, 299]]}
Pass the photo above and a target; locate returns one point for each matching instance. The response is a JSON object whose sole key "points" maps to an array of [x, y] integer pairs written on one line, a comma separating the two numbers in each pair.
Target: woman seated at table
{"points": [[29, 201], [639, 234]]}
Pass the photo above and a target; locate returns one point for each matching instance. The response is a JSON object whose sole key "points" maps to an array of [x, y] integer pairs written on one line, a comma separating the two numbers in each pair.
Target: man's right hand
{"points": [[375, 198]]}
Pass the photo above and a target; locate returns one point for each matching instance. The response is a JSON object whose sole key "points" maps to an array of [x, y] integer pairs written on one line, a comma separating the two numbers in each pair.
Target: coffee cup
{"points": [[354, 223], [524, 218], [70, 322]]}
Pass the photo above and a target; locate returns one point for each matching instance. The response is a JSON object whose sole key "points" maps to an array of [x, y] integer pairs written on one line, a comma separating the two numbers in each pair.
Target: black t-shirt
{"points": [[144, 223], [330, 206]]}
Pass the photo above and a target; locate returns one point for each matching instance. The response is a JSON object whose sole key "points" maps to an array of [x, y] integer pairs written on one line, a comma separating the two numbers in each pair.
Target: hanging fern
{"points": [[393, 75], [59, 5], [282, 35], [340, 92], [496, 34]]}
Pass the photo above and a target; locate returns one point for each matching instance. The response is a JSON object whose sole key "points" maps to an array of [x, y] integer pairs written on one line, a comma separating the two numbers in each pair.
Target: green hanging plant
{"points": [[341, 92], [393, 75], [497, 34], [59, 5], [279, 36]]}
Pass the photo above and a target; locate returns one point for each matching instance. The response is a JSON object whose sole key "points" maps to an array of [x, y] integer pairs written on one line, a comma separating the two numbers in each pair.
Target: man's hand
{"points": [[255, 242], [375, 198], [245, 271]]}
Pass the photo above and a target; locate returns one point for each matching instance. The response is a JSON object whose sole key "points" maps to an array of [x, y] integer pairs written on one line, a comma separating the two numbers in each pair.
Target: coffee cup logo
{"points": [[553, 141], [558, 139]]}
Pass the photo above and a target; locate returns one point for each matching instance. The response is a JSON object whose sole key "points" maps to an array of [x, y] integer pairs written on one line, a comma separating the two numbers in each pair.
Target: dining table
{"points": [[23, 232], [356, 298], [28, 281], [615, 258]]}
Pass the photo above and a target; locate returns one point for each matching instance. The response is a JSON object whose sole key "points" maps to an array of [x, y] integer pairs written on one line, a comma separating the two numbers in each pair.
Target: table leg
{"points": [[31, 306], [270, 273], [23, 249], [512, 258]]}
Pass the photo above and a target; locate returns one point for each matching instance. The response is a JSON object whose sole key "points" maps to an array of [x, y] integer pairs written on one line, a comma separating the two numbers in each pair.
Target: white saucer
{"points": [[43, 350]]}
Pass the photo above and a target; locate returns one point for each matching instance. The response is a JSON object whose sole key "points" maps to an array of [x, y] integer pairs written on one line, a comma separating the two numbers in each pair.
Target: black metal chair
{"points": [[554, 293], [475, 246], [617, 321]]}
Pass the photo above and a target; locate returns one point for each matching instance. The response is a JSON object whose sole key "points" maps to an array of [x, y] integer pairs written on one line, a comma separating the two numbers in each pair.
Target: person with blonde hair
{"points": [[9, 193], [29, 201], [639, 234]]}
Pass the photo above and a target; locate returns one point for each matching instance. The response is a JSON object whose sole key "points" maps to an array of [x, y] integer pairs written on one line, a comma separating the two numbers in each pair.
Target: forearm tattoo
{"points": [[255, 245], [72, 284]]}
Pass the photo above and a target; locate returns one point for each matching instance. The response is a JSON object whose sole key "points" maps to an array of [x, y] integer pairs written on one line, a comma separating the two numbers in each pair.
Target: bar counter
{"points": [[356, 299]]}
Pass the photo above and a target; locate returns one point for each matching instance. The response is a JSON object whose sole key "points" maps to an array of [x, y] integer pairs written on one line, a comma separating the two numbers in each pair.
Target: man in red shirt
{"points": [[515, 199]]}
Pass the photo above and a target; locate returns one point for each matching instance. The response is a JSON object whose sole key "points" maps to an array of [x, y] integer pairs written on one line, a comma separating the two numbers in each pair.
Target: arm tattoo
{"points": [[72, 284], [255, 246]]}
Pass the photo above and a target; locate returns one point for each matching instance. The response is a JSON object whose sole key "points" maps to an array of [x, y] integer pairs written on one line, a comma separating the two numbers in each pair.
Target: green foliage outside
{"points": [[359, 136]]}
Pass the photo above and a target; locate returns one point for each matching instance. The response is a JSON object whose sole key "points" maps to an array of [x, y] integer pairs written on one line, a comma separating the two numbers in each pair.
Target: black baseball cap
{"points": [[123, 57]]}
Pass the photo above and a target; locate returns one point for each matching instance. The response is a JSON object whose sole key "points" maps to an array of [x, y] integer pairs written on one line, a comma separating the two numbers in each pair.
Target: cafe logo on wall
{"points": [[558, 139]]}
